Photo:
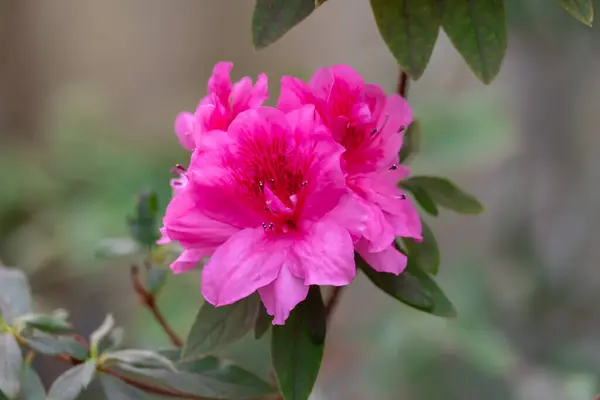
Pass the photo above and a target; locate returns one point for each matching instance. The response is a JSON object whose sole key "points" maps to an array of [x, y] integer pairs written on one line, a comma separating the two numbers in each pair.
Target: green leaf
{"points": [[54, 345], [116, 389], [111, 341], [297, 347], [274, 18], [410, 29], [411, 142], [71, 383], [404, 287], [422, 197], [240, 383], [172, 354], [32, 387], [263, 322], [143, 225], [56, 323], [15, 297], [103, 331], [156, 279], [199, 384], [412, 287], [426, 253], [138, 358], [215, 327], [445, 193], [582, 10], [477, 28], [11, 363]]}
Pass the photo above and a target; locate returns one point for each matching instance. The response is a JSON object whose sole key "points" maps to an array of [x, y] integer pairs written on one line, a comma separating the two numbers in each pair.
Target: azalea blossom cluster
{"points": [[280, 198]]}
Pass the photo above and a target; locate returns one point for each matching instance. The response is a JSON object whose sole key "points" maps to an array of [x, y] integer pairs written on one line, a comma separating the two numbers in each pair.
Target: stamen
{"points": [[304, 183], [393, 167], [178, 169], [271, 180], [271, 226], [401, 197], [402, 128], [264, 225], [373, 131], [261, 185], [385, 121]]}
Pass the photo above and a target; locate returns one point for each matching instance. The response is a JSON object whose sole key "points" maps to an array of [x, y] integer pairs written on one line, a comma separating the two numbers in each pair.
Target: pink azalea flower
{"points": [[268, 202], [222, 104], [370, 126]]}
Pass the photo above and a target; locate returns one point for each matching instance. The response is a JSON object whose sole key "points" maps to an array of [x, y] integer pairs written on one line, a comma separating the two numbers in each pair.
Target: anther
{"points": [[261, 185], [271, 180], [393, 167], [178, 169], [373, 131], [271, 226], [401, 197], [402, 128], [264, 225], [304, 183]]}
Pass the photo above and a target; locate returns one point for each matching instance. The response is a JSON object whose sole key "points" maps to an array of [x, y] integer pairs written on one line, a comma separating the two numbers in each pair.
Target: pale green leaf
{"points": [[274, 18], [582, 10]]}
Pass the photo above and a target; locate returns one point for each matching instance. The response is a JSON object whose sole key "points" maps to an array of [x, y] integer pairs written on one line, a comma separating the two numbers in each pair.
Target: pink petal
{"points": [[294, 94], [188, 260], [220, 83], [260, 93], [375, 97], [187, 224], [325, 255], [282, 295], [246, 262], [184, 128], [351, 214], [164, 238], [388, 260], [378, 231]]}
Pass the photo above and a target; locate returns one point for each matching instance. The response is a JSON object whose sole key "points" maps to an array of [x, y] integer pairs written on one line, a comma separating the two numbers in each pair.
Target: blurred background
{"points": [[88, 94]]}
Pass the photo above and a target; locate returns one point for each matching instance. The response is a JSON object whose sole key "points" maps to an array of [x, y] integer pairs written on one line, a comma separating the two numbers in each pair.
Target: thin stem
{"points": [[403, 83], [333, 301], [149, 301]]}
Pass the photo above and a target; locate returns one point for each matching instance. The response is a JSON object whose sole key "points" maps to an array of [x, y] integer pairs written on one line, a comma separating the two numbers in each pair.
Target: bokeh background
{"points": [[88, 95]]}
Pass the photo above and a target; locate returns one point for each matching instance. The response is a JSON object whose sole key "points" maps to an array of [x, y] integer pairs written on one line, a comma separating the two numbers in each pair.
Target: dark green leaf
{"points": [[54, 345], [215, 327], [71, 383], [582, 10], [138, 358], [15, 298], [116, 389], [445, 193], [404, 287], [477, 28], [156, 279], [412, 287], [274, 18], [422, 197], [241, 383], [411, 142], [410, 29], [45, 323], [425, 253], [11, 363], [262, 323], [143, 225], [296, 354], [31, 386], [203, 384]]}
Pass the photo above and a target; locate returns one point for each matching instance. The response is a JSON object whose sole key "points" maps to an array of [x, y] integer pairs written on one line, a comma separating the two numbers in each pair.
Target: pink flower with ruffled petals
{"points": [[268, 202], [370, 126], [222, 104]]}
